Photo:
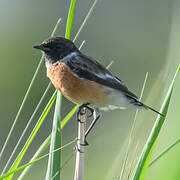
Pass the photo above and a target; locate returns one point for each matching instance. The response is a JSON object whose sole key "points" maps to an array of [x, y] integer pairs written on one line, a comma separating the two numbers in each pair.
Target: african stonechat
{"points": [[83, 80]]}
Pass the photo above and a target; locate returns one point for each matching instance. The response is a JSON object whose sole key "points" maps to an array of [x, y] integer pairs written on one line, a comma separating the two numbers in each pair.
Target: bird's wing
{"points": [[87, 68]]}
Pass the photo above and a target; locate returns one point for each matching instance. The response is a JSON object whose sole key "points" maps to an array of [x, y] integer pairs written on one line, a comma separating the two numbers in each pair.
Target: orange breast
{"points": [[77, 90]]}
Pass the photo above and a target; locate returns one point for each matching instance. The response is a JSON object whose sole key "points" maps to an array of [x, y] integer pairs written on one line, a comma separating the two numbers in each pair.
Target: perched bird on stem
{"points": [[84, 81]]}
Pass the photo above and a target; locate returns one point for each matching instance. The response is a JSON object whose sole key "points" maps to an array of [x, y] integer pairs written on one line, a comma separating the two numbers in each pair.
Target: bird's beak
{"points": [[42, 48], [39, 47]]}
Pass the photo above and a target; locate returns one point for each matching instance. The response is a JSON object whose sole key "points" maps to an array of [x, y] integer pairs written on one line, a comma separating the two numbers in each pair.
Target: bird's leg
{"points": [[79, 112], [91, 111], [96, 116]]}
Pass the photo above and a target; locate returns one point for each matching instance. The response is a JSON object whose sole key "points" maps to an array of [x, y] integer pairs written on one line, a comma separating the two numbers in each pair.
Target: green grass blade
{"points": [[44, 114], [40, 150], [132, 130], [47, 141], [25, 129], [34, 132], [21, 106], [164, 152], [6, 175], [55, 27], [142, 165], [26, 94], [69, 115], [85, 20], [34, 161], [54, 162], [70, 19]]}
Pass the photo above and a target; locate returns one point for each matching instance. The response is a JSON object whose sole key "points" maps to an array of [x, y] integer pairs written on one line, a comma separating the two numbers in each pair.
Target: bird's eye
{"points": [[48, 45]]}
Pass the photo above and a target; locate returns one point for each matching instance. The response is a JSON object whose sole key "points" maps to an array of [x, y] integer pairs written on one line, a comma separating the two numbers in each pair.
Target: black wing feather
{"points": [[87, 68]]}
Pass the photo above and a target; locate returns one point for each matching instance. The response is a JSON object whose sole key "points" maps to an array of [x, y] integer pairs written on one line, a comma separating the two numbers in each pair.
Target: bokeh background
{"points": [[139, 36]]}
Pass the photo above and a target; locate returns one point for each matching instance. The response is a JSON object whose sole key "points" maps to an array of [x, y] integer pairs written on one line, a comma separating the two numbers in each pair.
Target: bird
{"points": [[84, 81]]}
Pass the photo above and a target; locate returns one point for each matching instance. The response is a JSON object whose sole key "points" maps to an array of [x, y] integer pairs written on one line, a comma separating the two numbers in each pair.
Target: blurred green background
{"points": [[139, 36]]}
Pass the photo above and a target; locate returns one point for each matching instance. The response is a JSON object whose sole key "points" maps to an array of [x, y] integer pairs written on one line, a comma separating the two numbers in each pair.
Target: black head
{"points": [[56, 48]]}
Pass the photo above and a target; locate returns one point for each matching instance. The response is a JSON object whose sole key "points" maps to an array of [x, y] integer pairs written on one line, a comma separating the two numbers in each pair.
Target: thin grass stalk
{"points": [[164, 152], [54, 162], [69, 158], [132, 130], [41, 149], [34, 161], [82, 44], [25, 129], [144, 159], [27, 94], [85, 20], [33, 134], [21, 107], [69, 115], [46, 142], [79, 166], [55, 175]]}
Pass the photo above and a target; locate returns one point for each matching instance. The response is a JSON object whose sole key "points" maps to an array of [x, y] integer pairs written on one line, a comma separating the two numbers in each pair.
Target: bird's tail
{"points": [[149, 108]]}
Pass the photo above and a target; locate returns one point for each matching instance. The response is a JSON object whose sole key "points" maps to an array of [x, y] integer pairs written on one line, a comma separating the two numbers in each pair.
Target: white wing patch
{"points": [[105, 76]]}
